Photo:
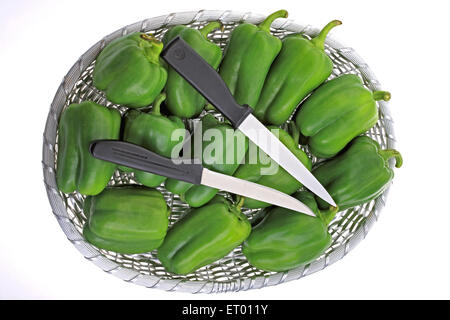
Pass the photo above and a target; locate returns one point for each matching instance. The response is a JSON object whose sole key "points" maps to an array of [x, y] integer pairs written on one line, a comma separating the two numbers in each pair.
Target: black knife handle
{"points": [[137, 157], [192, 67]]}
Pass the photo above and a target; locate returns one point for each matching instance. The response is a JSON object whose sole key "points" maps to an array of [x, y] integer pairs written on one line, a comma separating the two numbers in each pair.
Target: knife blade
{"points": [[194, 69], [137, 157]]}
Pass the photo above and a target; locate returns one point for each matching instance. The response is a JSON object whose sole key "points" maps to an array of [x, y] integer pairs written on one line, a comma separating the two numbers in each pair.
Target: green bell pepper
{"points": [[126, 219], [129, 70], [182, 99], [337, 112], [248, 55], [155, 132], [203, 236], [286, 239], [301, 66], [361, 173], [280, 179], [222, 153], [77, 169]]}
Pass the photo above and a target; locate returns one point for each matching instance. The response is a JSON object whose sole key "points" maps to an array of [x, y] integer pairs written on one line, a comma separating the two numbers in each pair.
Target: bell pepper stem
{"points": [[152, 52], [319, 40], [210, 27], [295, 133], [328, 215], [265, 25], [148, 37], [381, 95], [156, 110], [239, 202], [391, 153]]}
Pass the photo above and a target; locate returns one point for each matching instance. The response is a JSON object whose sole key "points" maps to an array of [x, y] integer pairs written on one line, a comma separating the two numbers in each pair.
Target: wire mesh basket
{"points": [[233, 272]]}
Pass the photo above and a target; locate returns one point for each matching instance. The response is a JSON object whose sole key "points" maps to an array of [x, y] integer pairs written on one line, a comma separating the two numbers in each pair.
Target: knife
{"points": [[137, 157], [192, 67]]}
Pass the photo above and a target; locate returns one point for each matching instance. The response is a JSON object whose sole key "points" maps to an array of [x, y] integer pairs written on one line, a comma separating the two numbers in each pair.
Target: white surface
{"points": [[405, 43]]}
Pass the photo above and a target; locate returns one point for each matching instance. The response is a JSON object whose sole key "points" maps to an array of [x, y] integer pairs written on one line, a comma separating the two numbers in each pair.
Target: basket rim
{"points": [[152, 281]]}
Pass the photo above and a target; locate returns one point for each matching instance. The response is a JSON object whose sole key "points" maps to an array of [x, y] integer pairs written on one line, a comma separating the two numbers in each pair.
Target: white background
{"points": [[406, 254]]}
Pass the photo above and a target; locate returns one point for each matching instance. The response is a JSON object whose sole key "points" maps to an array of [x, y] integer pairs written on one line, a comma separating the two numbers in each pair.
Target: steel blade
{"points": [[270, 144], [253, 190]]}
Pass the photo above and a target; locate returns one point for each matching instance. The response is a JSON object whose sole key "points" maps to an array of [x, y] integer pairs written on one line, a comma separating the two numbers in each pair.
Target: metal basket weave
{"points": [[232, 273]]}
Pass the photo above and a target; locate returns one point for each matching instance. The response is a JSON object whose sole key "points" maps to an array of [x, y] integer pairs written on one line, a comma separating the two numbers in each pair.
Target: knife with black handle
{"points": [[137, 157]]}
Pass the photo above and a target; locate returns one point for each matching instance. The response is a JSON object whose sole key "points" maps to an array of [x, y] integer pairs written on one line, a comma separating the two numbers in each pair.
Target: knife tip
{"points": [[327, 198], [311, 213], [331, 202]]}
